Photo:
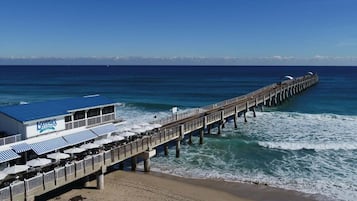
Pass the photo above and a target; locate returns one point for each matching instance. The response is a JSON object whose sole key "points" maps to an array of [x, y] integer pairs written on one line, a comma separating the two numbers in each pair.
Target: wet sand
{"points": [[138, 186]]}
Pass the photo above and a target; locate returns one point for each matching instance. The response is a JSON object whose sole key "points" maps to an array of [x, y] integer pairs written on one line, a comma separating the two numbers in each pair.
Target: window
{"points": [[109, 109], [93, 112], [79, 115], [68, 118]]}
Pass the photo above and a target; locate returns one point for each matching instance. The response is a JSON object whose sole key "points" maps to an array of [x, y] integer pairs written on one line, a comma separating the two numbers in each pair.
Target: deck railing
{"points": [[44, 182], [10, 139]]}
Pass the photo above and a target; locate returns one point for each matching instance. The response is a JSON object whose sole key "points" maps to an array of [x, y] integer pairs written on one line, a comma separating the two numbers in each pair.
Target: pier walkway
{"points": [[174, 128]]}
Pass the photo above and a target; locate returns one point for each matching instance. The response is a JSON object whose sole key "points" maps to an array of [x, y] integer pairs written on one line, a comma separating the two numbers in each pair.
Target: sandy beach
{"points": [[138, 186]]}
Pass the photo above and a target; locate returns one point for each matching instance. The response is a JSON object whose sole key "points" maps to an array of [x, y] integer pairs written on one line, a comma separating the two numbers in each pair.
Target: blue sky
{"points": [[182, 28]]}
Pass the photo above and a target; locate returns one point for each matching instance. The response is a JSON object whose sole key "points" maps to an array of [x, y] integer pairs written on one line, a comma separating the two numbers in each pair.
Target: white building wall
{"points": [[10, 126], [45, 126]]}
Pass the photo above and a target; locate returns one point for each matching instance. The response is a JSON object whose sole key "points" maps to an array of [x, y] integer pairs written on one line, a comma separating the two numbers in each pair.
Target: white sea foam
{"points": [[309, 145], [330, 170]]}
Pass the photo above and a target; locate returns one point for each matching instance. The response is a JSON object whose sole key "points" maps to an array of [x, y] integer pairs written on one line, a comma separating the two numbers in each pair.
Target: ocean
{"points": [[308, 144]]}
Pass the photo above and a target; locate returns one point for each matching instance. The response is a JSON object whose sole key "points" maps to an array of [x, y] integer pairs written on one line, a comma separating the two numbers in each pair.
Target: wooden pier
{"points": [[174, 128]]}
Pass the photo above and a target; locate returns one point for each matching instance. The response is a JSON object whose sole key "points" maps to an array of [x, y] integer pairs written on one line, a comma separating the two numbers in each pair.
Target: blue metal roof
{"points": [[40, 110], [50, 145], [79, 137], [104, 130], [22, 147], [8, 155]]}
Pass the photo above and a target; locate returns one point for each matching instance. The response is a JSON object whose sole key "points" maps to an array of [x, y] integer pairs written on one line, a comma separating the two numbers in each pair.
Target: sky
{"points": [[258, 31]]}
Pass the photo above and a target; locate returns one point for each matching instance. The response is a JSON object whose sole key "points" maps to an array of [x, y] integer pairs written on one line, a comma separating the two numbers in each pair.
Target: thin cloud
{"points": [[137, 60]]}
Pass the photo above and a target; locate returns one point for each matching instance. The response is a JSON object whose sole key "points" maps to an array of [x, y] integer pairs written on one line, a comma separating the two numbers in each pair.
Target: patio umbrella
{"points": [[156, 125], [144, 124], [38, 162], [16, 169], [127, 134], [103, 141], [149, 127], [139, 130], [116, 138], [135, 126], [90, 146], [3, 175], [58, 156], [74, 150]]}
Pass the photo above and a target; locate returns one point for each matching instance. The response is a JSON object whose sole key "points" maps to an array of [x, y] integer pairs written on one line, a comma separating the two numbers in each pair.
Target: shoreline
{"points": [[126, 185]]}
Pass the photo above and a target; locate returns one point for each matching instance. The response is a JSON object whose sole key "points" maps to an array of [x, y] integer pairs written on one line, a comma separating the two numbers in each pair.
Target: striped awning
{"points": [[79, 137], [19, 148], [104, 130], [8, 155], [48, 145]]}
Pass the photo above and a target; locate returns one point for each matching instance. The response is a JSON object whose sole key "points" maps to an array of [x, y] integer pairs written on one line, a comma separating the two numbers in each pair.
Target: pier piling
{"points": [[178, 143], [166, 149], [100, 180], [134, 162], [190, 138], [202, 131]]}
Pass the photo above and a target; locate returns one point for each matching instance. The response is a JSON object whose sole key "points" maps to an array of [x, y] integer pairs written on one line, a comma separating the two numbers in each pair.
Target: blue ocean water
{"points": [[307, 144]]}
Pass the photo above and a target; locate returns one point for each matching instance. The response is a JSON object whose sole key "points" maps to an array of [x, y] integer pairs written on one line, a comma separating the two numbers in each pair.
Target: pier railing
{"points": [[255, 97], [98, 163]]}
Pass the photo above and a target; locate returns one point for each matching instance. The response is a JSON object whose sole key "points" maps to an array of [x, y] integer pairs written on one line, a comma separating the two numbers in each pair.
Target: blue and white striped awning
{"points": [[7, 155], [22, 147], [79, 137], [104, 130], [48, 145]]}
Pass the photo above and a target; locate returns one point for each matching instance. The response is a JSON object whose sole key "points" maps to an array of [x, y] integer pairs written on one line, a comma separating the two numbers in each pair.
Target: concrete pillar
{"points": [[201, 136], [147, 165], [182, 132], [204, 122], [219, 128], [235, 121], [262, 108], [209, 129], [86, 181], [254, 114], [178, 143], [166, 149], [245, 117], [100, 180], [222, 118], [133, 163], [190, 138]]}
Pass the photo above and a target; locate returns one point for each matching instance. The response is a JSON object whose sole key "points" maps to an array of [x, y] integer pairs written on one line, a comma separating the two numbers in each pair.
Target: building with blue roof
{"points": [[40, 118]]}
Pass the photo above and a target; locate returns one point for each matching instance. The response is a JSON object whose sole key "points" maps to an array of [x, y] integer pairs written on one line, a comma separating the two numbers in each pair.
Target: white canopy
{"points": [[38, 162], [16, 169], [140, 130], [103, 141], [156, 125], [135, 126], [74, 150], [144, 124], [90, 146], [58, 156], [127, 134], [3, 175], [116, 138]]}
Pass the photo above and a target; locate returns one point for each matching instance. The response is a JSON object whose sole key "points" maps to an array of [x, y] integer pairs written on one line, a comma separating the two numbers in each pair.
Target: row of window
{"points": [[90, 113]]}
